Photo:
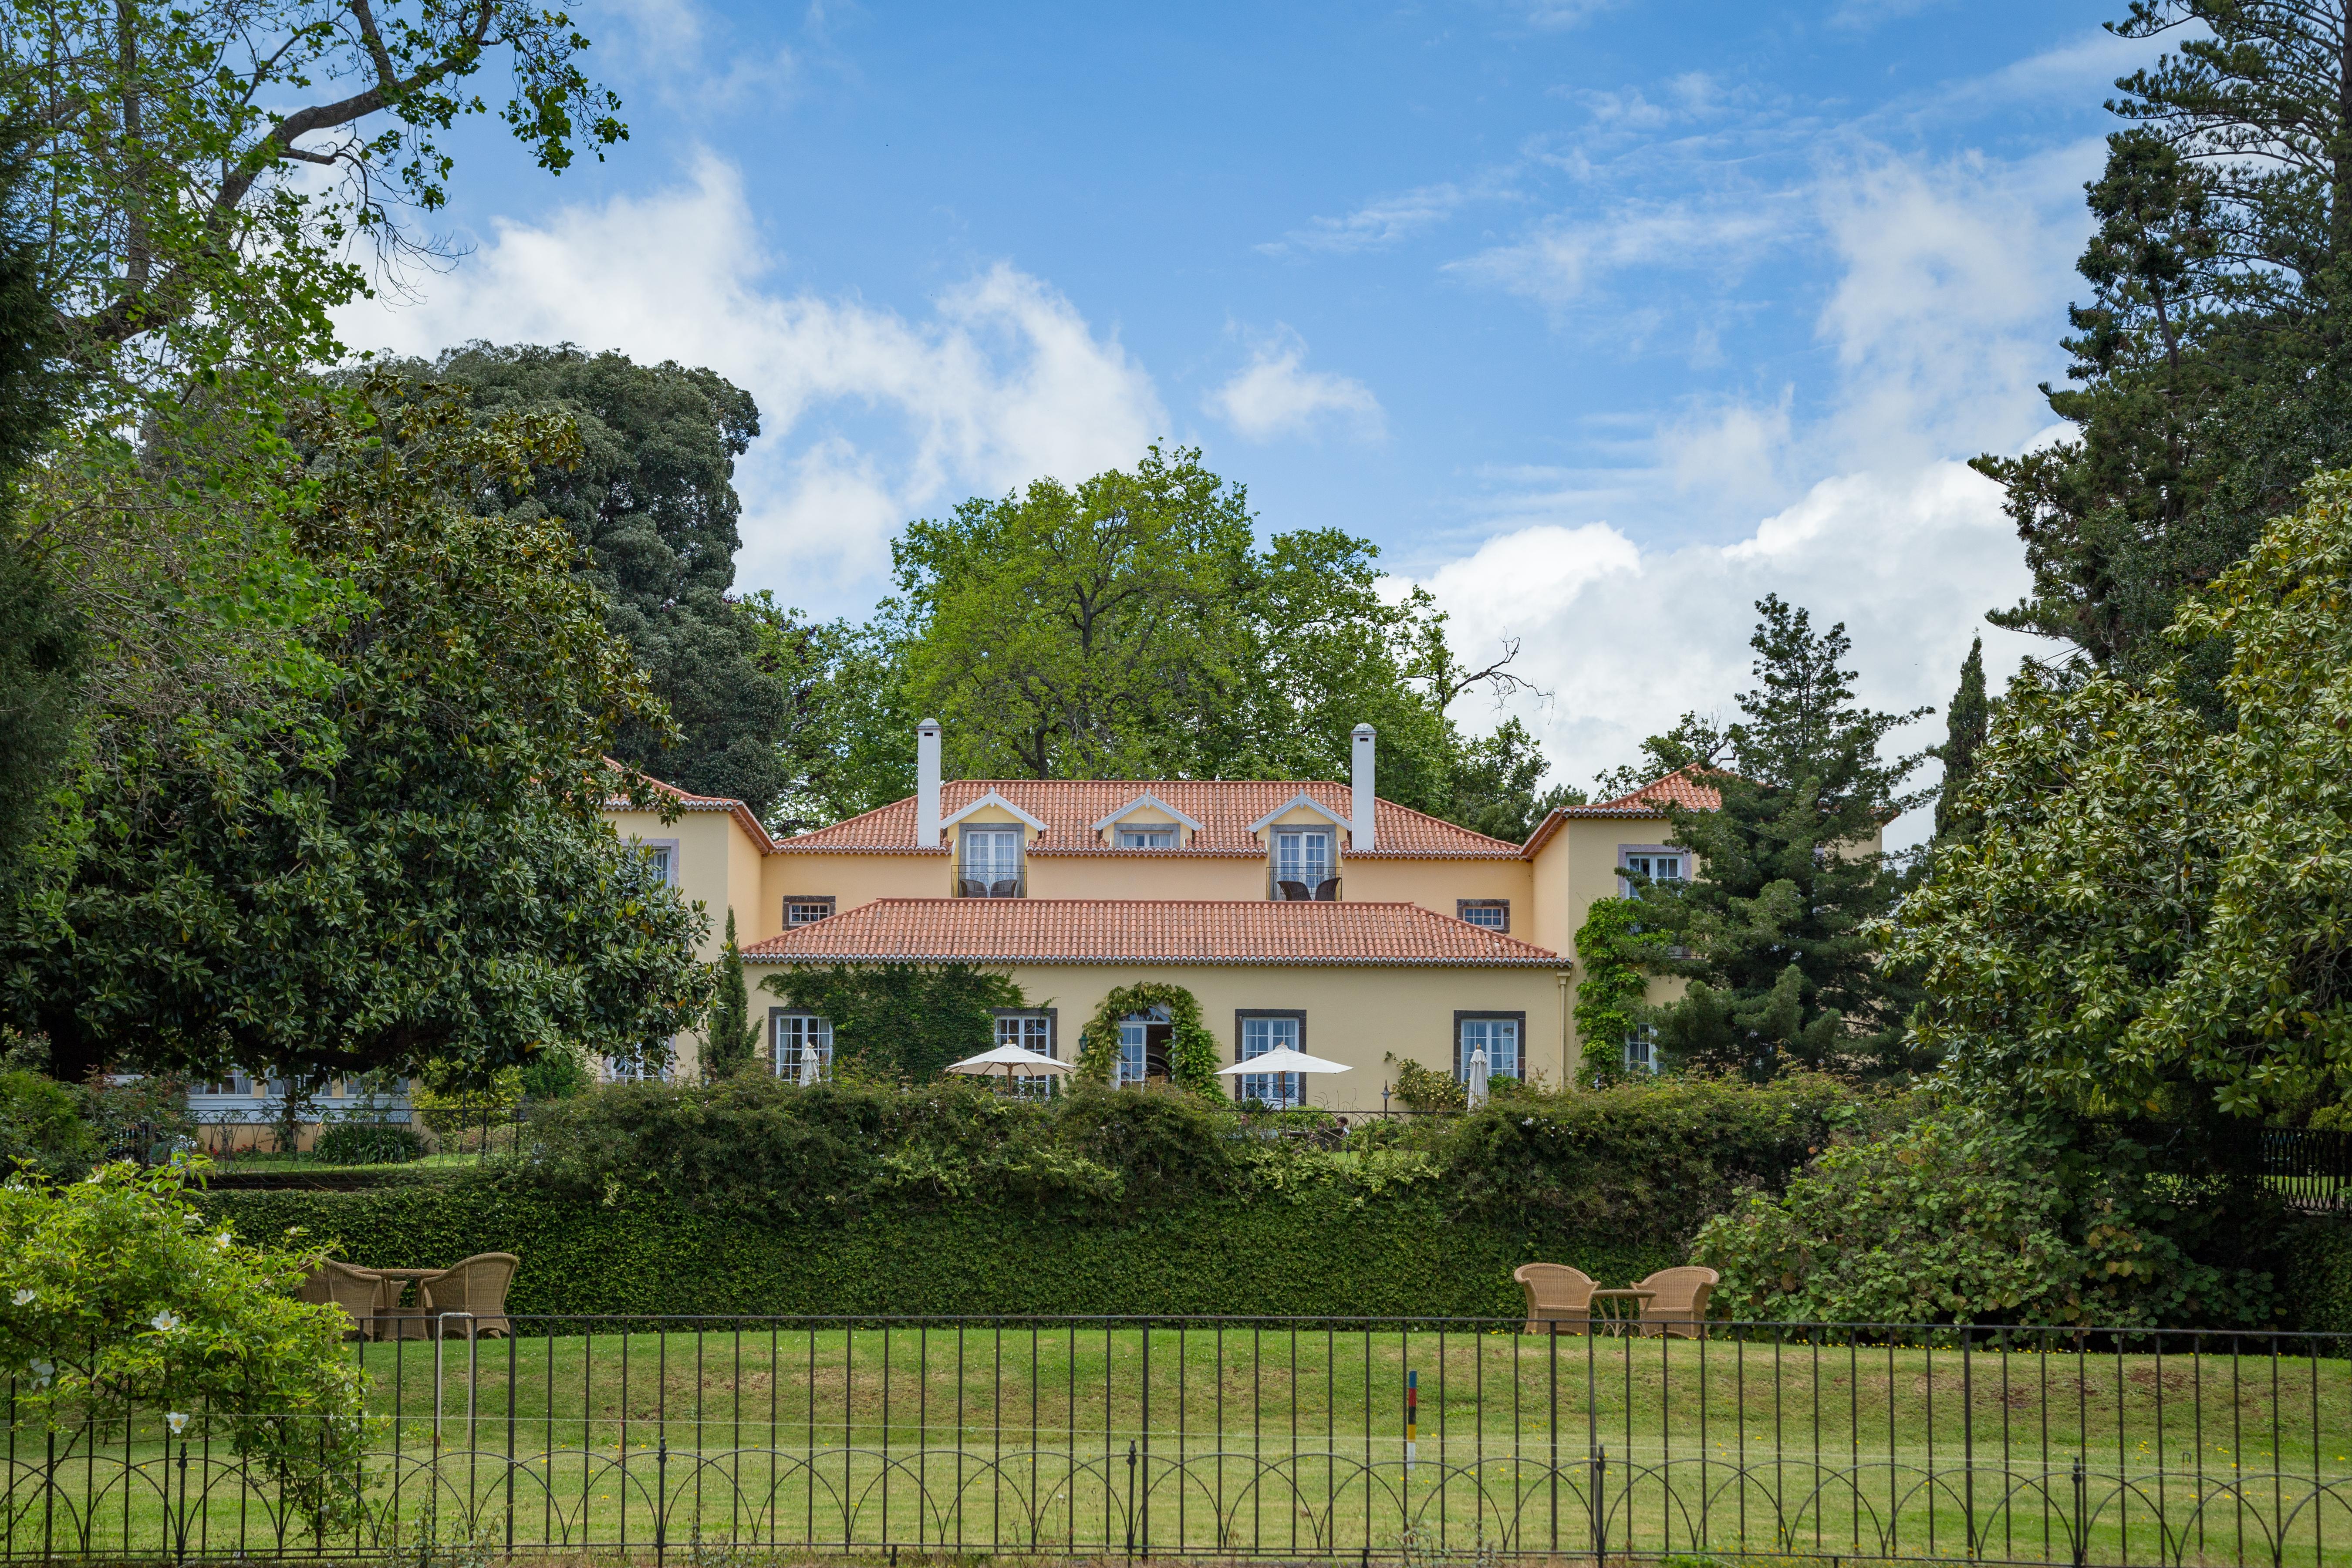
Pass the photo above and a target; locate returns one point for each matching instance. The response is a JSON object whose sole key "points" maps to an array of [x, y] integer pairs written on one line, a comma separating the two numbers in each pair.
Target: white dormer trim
{"points": [[992, 798], [1292, 803], [1139, 803]]}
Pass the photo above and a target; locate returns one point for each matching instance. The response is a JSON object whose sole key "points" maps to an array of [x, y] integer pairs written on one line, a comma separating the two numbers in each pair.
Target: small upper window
{"points": [[1658, 865], [1494, 914], [1147, 836], [805, 910]]}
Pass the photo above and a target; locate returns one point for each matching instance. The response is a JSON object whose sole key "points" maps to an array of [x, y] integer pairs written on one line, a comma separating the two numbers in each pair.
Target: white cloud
{"points": [[1274, 395], [869, 418], [1563, 260], [1626, 640], [1378, 223]]}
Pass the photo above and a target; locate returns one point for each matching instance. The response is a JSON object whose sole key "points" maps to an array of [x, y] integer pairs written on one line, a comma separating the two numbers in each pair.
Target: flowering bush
{"points": [[118, 1301]]}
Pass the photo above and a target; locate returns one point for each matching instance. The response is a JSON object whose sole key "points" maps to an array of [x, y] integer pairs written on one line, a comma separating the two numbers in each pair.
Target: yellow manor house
{"points": [[1314, 916]]}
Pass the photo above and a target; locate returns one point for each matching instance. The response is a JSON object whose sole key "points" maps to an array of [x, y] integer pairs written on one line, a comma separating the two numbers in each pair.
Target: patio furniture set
{"points": [[1564, 1300], [466, 1298]]}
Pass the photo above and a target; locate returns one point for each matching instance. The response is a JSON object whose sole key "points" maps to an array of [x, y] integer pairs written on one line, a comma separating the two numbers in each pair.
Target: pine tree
{"points": [[732, 1041], [1782, 966], [1967, 722]]}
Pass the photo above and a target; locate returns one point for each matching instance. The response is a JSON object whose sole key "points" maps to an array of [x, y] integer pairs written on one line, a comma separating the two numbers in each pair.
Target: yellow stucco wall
{"points": [[854, 879], [1357, 1014], [1438, 884]]}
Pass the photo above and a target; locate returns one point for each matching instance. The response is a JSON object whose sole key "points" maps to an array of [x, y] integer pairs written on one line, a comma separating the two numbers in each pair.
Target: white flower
{"points": [[179, 1420], [22, 1297], [221, 1241], [164, 1322]]}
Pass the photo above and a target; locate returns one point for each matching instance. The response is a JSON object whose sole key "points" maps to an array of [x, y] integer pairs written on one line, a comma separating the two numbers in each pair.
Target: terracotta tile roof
{"points": [[691, 802], [1146, 931], [1070, 808], [1680, 787]]}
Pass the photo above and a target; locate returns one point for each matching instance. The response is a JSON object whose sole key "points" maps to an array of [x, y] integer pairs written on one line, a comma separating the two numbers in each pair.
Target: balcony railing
{"points": [[974, 882], [1302, 884]]}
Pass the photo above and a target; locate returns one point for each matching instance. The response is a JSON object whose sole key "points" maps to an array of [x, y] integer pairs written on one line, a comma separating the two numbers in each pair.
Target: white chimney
{"points": [[1360, 827], [927, 784]]}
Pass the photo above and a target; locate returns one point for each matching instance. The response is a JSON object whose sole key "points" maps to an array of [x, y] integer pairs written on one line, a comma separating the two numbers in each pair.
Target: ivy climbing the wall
{"points": [[1609, 999], [1191, 1049]]}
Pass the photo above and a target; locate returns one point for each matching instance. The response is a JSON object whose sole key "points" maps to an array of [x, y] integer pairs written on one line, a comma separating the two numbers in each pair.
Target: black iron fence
{"points": [[260, 1132], [1292, 1438], [2311, 1168]]}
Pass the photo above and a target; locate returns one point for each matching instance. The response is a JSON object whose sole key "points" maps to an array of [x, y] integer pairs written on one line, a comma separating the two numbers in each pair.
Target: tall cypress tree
{"points": [[1967, 722], [731, 1039], [1781, 964]]}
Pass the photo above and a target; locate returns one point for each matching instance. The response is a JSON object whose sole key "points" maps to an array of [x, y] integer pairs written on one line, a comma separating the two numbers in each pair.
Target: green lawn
{"points": [[1021, 1438]]}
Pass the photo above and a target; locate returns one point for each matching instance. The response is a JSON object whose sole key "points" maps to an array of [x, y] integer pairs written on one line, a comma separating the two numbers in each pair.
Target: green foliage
{"points": [[731, 1041], [2149, 923], [2211, 372], [1427, 1090], [1967, 723], [185, 219], [901, 1021], [1191, 1049], [1133, 628], [41, 1128], [649, 496], [1611, 952], [1784, 959], [1968, 1217], [117, 1293], [555, 1072], [367, 1143], [397, 853], [752, 1195]]}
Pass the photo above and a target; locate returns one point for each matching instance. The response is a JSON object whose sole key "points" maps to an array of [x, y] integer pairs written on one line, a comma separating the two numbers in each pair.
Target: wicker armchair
{"points": [[1680, 1305], [1560, 1298], [478, 1286], [356, 1290]]}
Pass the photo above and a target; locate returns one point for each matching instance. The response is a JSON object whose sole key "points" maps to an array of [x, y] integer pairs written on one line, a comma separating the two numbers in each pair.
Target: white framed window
{"points": [[1641, 1049], [1147, 836], [1031, 1031], [806, 910], [1134, 1044], [1494, 914], [635, 1069], [800, 1047], [1497, 1034], [1659, 862], [991, 862], [663, 853], [1263, 1032], [1303, 854]]}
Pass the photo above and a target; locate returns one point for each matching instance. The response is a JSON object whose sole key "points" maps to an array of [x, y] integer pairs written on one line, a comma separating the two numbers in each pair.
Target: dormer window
{"points": [[1147, 836], [990, 862], [1304, 863]]}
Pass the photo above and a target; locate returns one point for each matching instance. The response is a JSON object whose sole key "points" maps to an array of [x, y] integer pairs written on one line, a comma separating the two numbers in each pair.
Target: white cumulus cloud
{"points": [[868, 417], [1274, 395]]}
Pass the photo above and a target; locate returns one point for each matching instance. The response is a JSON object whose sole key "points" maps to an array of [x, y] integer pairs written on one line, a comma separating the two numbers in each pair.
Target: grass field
{"points": [[1294, 1441]]}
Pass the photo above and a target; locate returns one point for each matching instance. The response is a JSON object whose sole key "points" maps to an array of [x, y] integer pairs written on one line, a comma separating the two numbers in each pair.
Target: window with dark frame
{"points": [[1256, 1032], [1494, 914], [808, 908], [799, 1046], [1032, 1030], [1501, 1035]]}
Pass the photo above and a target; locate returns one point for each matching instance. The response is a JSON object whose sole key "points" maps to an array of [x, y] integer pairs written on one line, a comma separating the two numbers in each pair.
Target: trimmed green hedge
{"points": [[2315, 1274], [1322, 1253]]}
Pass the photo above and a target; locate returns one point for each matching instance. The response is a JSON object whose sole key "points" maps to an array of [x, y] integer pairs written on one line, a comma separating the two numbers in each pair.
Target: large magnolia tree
{"points": [[2155, 917]]}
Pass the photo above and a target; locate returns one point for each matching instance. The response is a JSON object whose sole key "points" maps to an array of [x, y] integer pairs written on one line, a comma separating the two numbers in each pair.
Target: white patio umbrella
{"points": [[1013, 1059], [1283, 1060], [1478, 1076]]}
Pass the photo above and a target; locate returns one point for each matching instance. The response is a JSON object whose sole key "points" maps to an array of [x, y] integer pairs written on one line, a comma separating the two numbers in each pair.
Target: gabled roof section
{"points": [[1224, 807], [688, 802], [1310, 803], [991, 798], [1686, 787], [1210, 931], [1150, 799]]}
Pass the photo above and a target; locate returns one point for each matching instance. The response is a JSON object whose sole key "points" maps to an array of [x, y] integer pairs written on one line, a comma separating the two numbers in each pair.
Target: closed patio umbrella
{"points": [[1478, 1076]]}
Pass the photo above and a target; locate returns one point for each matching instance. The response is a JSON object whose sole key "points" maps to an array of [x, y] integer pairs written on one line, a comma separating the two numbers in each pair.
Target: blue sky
{"points": [[1600, 320]]}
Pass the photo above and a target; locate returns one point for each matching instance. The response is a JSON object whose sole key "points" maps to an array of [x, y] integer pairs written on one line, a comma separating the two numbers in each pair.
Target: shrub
{"points": [[1963, 1216], [41, 1128], [116, 1296], [368, 1144], [555, 1072], [1426, 1090]]}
